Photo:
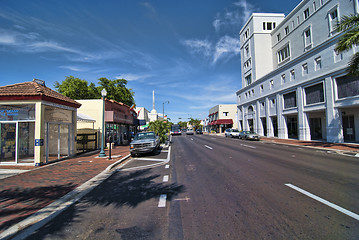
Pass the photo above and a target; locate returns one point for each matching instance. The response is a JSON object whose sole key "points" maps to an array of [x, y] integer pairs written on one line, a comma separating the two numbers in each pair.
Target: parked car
{"points": [[189, 131], [144, 142], [199, 131], [227, 132], [235, 133], [249, 135]]}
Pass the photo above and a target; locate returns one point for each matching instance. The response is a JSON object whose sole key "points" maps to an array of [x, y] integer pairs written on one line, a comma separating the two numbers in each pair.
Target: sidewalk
{"points": [[26, 193]]}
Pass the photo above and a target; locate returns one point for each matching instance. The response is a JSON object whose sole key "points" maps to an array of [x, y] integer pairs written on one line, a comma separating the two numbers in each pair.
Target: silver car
{"points": [[144, 142], [249, 135]]}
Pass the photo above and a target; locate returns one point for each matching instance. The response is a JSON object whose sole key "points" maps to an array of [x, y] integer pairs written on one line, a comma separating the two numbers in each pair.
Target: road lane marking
{"points": [[208, 147], [165, 178], [329, 204], [244, 145], [182, 199], [167, 166], [162, 202], [191, 139]]}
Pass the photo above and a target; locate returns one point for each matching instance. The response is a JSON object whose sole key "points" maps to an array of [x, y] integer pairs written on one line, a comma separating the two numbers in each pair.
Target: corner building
{"points": [[294, 83]]}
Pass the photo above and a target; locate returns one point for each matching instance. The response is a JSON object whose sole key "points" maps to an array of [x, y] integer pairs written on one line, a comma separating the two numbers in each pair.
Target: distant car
{"points": [[175, 130], [144, 142], [189, 131], [249, 135], [199, 131], [235, 133]]}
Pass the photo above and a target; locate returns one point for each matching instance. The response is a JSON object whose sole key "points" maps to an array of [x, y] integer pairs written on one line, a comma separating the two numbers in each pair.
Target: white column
{"points": [[258, 123], [270, 131], [282, 126], [333, 115], [303, 126]]}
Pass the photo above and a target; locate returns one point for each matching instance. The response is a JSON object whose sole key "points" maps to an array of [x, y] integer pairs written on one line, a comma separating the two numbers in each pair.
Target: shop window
{"points": [[314, 94], [347, 87], [290, 100], [17, 112]]}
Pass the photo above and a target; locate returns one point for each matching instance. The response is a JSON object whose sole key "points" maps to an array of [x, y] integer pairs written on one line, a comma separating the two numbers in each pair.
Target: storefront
{"points": [[37, 124]]}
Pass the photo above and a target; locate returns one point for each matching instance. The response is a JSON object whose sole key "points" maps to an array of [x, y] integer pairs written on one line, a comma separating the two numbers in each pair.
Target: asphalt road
{"points": [[220, 188]]}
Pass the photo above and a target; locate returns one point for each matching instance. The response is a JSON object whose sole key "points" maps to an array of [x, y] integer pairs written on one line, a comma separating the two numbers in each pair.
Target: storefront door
{"points": [[58, 141], [8, 142], [348, 128]]}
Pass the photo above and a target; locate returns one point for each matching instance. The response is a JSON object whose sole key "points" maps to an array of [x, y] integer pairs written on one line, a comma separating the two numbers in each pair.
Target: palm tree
{"points": [[350, 26]]}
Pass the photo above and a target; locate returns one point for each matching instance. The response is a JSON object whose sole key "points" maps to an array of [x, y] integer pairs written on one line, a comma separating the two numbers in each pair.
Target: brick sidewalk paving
{"points": [[26, 193]]}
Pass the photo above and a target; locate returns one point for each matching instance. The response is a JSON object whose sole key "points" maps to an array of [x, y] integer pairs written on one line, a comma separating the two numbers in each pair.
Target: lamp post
{"points": [[163, 109], [103, 94]]}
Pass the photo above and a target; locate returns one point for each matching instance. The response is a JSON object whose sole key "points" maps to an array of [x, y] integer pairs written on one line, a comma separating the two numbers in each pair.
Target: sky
{"points": [[187, 51]]}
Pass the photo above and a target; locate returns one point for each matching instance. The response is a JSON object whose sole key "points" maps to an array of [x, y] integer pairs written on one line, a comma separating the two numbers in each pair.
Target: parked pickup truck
{"points": [[144, 142]]}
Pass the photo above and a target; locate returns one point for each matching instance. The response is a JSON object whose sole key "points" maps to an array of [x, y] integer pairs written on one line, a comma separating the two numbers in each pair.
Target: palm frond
{"points": [[348, 22], [353, 65]]}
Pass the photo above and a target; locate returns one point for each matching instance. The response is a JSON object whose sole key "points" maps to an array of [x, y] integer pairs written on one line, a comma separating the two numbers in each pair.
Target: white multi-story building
{"points": [[294, 83]]}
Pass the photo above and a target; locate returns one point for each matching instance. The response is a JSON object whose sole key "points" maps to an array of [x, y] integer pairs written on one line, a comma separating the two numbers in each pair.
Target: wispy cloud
{"points": [[133, 77], [199, 46], [226, 46], [234, 18]]}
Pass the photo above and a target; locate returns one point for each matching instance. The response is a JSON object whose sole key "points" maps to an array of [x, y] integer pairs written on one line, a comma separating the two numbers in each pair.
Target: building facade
{"points": [[294, 83], [221, 117], [120, 120], [37, 124]]}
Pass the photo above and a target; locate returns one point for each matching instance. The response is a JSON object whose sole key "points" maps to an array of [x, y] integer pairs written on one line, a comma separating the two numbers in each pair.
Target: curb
{"points": [[26, 227]]}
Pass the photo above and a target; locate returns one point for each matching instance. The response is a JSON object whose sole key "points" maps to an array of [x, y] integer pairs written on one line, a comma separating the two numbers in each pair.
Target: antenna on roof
{"points": [[41, 82]]}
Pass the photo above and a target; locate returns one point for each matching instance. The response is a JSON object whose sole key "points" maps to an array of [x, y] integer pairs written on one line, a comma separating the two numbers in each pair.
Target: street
{"points": [[209, 187]]}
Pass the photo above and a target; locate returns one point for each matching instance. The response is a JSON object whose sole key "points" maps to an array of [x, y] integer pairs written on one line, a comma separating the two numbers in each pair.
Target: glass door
{"points": [[8, 143]]}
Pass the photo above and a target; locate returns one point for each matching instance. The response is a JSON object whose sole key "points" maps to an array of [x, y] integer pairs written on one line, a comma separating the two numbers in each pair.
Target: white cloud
{"points": [[234, 18], [203, 47], [133, 77], [74, 68], [226, 46]]}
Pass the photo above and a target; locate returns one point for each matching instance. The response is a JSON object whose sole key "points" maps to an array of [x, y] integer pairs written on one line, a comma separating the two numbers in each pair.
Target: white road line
{"points": [[191, 139], [167, 166], [165, 178], [208, 147], [162, 202], [329, 204], [247, 146]]}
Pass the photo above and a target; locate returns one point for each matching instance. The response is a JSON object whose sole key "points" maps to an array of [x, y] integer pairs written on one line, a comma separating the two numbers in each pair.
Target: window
{"points": [[261, 88], [318, 63], [253, 91], [314, 7], [304, 69], [290, 100], [283, 54], [298, 20], [283, 78], [314, 94], [306, 13], [286, 30], [292, 75], [293, 24], [278, 37], [268, 25], [246, 51], [333, 20], [246, 34], [225, 114], [273, 102], [338, 56], [271, 84], [248, 79], [347, 86], [307, 38]]}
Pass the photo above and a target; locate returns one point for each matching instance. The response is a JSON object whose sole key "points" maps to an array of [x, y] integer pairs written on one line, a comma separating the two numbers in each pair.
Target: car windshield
{"points": [[246, 132], [148, 135], [235, 130], [252, 133]]}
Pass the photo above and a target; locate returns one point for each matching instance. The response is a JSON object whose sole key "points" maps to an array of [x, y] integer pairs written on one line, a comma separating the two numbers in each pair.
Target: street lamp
{"points": [[103, 94], [163, 108]]}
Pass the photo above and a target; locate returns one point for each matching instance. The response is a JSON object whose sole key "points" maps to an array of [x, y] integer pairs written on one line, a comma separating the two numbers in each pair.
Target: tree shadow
{"points": [[18, 204], [122, 189]]}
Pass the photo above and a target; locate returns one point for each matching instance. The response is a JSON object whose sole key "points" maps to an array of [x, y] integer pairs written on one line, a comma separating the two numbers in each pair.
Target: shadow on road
{"points": [[121, 189]]}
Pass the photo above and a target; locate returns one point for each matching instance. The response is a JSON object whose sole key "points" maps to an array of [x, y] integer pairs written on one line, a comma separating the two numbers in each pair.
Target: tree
{"points": [[196, 124], [161, 128], [349, 25], [116, 90], [76, 88], [183, 125]]}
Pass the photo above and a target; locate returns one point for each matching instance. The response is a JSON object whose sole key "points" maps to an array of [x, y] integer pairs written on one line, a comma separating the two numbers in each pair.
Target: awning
{"points": [[84, 118], [223, 121]]}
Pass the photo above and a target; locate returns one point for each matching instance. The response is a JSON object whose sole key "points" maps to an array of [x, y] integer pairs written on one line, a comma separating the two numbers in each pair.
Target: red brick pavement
{"points": [[26, 193]]}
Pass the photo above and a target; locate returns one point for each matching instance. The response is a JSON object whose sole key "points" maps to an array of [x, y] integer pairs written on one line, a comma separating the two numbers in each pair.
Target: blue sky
{"points": [[187, 51]]}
